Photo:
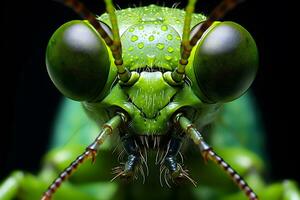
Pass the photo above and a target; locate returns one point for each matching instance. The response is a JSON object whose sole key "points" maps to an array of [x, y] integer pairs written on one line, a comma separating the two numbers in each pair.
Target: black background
{"points": [[29, 99]]}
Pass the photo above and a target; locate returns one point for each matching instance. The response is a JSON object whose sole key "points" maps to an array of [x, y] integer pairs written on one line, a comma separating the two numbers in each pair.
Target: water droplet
{"points": [[134, 38], [164, 27], [131, 29], [168, 58], [170, 49], [178, 38], [177, 21], [160, 46], [141, 27], [130, 48], [151, 38], [170, 37], [141, 45], [160, 19]]}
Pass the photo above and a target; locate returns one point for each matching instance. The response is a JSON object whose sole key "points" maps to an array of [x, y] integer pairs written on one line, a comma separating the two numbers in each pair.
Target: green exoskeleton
{"points": [[158, 78]]}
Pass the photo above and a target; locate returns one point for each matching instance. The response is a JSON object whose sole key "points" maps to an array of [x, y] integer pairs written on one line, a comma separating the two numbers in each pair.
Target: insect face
{"points": [[146, 79]]}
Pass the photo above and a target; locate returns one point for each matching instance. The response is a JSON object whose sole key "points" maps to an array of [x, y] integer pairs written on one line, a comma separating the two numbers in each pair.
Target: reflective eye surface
{"points": [[225, 62], [77, 61]]}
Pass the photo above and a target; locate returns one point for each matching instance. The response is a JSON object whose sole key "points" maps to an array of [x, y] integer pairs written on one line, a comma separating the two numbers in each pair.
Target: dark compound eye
{"points": [[77, 61], [225, 62]]}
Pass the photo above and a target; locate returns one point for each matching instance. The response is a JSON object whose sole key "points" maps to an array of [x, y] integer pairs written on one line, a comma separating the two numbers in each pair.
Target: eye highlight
{"points": [[225, 62], [77, 61]]}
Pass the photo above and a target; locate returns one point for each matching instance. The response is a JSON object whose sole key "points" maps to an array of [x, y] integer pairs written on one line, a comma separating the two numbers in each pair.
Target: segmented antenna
{"points": [[208, 154], [238, 180], [81, 10], [219, 12], [115, 31], [187, 44], [90, 152], [179, 72], [115, 43], [116, 48]]}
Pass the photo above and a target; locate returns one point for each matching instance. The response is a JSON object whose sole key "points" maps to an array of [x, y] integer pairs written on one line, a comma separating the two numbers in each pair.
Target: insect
{"points": [[155, 88]]}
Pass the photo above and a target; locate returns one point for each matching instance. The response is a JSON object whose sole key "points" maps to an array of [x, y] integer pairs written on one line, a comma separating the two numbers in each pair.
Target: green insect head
{"points": [[152, 72], [154, 55]]}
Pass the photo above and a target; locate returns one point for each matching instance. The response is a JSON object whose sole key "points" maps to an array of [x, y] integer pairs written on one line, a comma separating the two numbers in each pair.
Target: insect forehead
{"points": [[151, 44], [151, 35]]}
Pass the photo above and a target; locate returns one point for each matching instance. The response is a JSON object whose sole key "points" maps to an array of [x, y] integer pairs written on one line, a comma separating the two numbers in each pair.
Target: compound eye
{"points": [[77, 61], [225, 62]]}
